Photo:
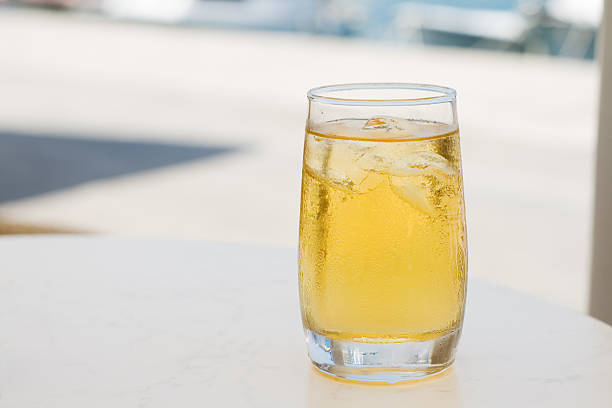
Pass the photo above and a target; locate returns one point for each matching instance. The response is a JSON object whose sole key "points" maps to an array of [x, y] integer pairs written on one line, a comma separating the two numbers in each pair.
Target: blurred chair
{"points": [[571, 26], [502, 28], [555, 27], [601, 275]]}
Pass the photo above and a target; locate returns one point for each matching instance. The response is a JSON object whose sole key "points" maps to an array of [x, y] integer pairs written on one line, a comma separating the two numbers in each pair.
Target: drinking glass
{"points": [[382, 252]]}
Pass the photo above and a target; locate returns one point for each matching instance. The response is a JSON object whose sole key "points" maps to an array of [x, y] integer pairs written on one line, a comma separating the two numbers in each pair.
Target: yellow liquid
{"points": [[382, 253]]}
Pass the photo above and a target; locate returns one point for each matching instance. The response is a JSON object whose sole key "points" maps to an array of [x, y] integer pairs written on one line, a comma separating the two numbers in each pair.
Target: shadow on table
{"points": [[32, 164]]}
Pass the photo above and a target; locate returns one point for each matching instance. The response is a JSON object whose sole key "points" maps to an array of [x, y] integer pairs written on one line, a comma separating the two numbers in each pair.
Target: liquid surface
{"points": [[382, 231]]}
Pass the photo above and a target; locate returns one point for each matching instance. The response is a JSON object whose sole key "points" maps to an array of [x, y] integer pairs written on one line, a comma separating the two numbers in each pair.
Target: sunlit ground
{"points": [[163, 131]]}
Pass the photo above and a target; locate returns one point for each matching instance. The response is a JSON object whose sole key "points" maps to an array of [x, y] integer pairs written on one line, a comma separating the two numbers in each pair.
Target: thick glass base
{"points": [[382, 362]]}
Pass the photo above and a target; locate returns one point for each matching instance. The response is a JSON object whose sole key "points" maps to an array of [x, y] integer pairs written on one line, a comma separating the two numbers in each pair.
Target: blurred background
{"points": [[185, 118]]}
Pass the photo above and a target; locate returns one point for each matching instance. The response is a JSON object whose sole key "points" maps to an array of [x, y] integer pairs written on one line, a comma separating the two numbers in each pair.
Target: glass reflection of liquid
{"points": [[441, 390]]}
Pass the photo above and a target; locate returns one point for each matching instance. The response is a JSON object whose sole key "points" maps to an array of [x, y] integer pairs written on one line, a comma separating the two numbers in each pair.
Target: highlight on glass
{"points": [[382, 252]]}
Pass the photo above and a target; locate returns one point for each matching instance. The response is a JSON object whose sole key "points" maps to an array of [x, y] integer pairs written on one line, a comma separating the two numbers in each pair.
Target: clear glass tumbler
{"points": [[382, 253]]}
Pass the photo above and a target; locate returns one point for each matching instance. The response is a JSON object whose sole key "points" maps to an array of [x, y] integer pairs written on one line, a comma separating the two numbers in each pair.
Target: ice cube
{"points": [[349, 179], [409, 190], [420, 162], [340, 179], [384, 122], [370, 182], [377, 158], [389, 127], [333, 162], [390, 159], [316, 153]]}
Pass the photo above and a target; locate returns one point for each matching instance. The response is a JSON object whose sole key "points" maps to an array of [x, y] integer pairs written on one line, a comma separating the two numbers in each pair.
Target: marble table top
{"points": [[117, 322]]}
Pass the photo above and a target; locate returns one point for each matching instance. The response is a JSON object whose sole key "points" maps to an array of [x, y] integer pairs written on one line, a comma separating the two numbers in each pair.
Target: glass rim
{"points": [[446, 94]]}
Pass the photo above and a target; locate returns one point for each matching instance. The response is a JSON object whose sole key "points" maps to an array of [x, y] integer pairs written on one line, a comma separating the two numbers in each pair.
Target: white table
{"points": [[107, 322]]}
